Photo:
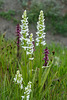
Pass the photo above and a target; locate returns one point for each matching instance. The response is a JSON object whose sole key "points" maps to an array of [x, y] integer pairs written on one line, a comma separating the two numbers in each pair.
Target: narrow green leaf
{"points": [[44, 79], [44, 92]]}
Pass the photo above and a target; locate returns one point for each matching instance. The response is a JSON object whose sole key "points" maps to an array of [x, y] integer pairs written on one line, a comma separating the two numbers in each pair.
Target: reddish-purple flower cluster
{"points": [[33, 45], [18, 41], [18, 34], [46, 52]]}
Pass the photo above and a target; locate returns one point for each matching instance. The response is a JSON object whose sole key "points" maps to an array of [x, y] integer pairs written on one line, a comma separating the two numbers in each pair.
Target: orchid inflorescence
{"points": [[18, 79], [18, 41], [30, 47], [46, 52], [27, 91], [24, 30], [26, 40], [40, 40], [27, 43], [18, 34]]}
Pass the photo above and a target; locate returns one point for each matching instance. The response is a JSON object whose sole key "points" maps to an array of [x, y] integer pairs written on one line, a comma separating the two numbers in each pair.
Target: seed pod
{"points": [[53, 52]]}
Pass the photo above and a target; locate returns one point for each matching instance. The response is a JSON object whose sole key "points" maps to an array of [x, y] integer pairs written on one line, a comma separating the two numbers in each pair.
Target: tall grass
{"points": [[53, 79]]}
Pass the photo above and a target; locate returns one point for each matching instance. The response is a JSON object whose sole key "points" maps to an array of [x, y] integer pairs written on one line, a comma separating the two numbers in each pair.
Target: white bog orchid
{"points": [[24, 30], [18, 79], [27, 91], [40, 40], [26, 42], [30, 46]]}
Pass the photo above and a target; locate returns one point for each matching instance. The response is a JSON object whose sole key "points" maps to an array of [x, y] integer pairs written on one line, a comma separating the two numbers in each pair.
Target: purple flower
{"points": [[46, 52], [33, 45], [18, 34], [18, 41]]}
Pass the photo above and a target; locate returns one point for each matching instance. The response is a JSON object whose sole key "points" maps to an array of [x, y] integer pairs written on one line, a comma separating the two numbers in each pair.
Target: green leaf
{"points": [[44, 92]]}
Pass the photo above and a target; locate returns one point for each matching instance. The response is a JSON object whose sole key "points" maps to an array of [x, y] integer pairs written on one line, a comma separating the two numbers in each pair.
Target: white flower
{"points": [[25, 47], [24, 30], [18, 71], [40, 30], [45, 66], [63, 52], [31, 58], [22, 97], [43, 43], [30, 46], [27, 91], [37, 44], [28, 96], [18, 79], [57, 60], [21, 86]]}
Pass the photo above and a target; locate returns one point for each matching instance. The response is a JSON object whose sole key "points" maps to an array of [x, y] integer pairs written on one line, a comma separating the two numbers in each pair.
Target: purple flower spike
{"points": [[33, 45], [46, 52], [18, 34], [18, 41]]}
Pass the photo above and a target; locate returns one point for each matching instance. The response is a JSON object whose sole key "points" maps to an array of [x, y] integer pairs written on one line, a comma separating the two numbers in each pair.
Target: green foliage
{"points": [[61, 27], [64, 1], [57, 24], [24, 3], [15, 21], [48, 83], [7, 15], [50, 7], [10, 16], [53, 81], [1, 4], [34, 12]]}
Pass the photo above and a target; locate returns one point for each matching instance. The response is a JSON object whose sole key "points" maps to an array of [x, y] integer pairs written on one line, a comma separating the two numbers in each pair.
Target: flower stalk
{"points": [[18, 41], [27, 91], [18, 79], [30, 51], [24, 34], [40, 40], [46, 59]]}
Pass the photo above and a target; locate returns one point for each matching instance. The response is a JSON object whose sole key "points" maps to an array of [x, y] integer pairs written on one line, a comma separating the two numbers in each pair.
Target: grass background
{"points": [[56, 77], [56, 81]]}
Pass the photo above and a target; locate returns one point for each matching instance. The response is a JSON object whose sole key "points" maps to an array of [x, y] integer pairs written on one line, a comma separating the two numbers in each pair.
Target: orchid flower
{"points": [[24, 30], [40, 40]]}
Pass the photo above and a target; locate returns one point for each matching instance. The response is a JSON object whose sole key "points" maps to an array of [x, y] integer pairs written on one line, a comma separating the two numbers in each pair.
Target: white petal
{"points": [[21, 86]]}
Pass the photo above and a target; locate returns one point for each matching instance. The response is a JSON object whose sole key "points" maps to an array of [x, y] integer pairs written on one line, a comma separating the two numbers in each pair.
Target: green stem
{"points": [[30, 67], [25, 69], [40, 68]]}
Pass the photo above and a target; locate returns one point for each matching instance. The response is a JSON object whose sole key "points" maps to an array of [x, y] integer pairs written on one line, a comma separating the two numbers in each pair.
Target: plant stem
{"points": [[25, 69], [30, 67], [40, 68]]}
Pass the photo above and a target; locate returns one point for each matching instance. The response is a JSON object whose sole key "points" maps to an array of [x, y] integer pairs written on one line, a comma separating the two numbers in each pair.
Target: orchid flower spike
{"points": [[30, 47], [40, 40], [24, 30]]}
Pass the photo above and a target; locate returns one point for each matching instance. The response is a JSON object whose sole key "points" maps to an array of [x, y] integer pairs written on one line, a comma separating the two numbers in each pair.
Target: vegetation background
{"points": [[55, 12]]}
